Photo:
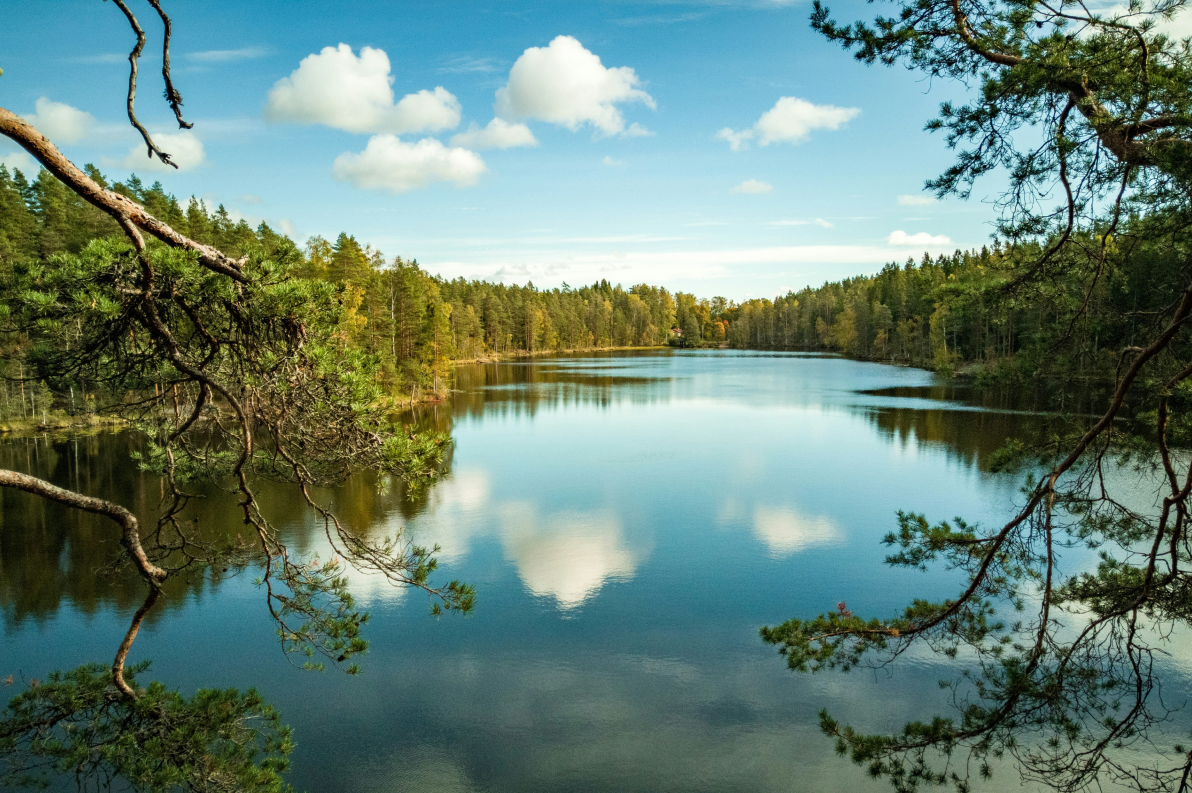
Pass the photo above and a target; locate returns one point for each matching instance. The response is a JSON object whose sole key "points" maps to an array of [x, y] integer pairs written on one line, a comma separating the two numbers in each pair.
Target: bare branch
{"points": [[132, 85], [171, 93]]}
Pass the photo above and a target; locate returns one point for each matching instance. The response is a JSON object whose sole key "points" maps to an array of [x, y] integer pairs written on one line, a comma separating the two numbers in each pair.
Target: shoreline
{"points": [[515, 354], [408, 404], [60, 423]]}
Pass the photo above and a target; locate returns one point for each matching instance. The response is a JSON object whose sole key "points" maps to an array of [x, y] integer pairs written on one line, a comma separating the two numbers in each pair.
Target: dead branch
{"points": [[172, 96], [132, 85]]}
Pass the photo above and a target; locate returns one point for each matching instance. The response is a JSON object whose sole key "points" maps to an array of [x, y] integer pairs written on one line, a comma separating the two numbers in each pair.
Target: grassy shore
{"points": [[60, 422]]}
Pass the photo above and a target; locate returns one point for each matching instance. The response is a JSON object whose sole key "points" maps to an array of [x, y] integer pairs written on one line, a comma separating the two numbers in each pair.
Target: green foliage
{"points": [[958, 311], [943, 312], [314, 404], [76, 723], [920, 543], [1090, 110], [232, 382], [409, 324]]}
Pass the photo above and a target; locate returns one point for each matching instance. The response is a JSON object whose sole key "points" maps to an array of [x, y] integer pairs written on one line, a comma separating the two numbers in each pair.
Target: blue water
{"points": [[629, 522]]}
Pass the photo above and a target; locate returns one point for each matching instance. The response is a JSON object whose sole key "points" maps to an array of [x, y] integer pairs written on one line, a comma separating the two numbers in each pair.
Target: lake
{"points": [[630, 520]]}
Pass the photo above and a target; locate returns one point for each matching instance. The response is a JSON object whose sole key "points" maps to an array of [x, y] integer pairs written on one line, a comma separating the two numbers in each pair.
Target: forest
{"points": [[965, 311], [969, 310], [414, 323]]}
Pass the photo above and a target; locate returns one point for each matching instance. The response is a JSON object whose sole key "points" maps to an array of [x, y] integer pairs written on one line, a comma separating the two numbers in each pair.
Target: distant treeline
{"points": [[975, 308], [965, 308]]}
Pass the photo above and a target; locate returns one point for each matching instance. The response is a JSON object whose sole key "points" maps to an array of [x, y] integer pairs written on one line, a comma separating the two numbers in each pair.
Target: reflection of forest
{"points": [[968, 436], [1069, 399], [972, 436], [50, 554], [525, 388]]}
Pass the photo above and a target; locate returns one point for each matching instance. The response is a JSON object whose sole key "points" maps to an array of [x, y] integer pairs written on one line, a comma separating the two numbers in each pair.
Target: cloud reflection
{"points": [[454, 506], [581, 716], [568, 556], [786, 532]]}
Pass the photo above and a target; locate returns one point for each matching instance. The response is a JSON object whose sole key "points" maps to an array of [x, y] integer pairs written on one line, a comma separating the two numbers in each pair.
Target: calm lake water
{"points": [[629, 521]]}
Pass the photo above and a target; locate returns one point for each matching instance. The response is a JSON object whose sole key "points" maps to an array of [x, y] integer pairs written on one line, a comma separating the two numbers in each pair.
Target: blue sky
{"points": [[630, 175]]}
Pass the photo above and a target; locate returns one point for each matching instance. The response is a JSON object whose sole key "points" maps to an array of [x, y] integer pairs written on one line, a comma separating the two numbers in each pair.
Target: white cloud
{"points": [[566, 556], [636, 130], [453, 516], [184, 148], [426, 110], [338, 89], [565, 84], [791, 120], [463, 64], [922, 238], [648, 262], [659, 19], [250, 199], [388, 163], [609, 161], [512, 271], [236, 216], [60, 122], [736, 140], [105, 58], [499, 134], [752, 186], [288, 228], [210, 201], [915, 200], [822, 222], [226, 56], [1178, 27]]}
